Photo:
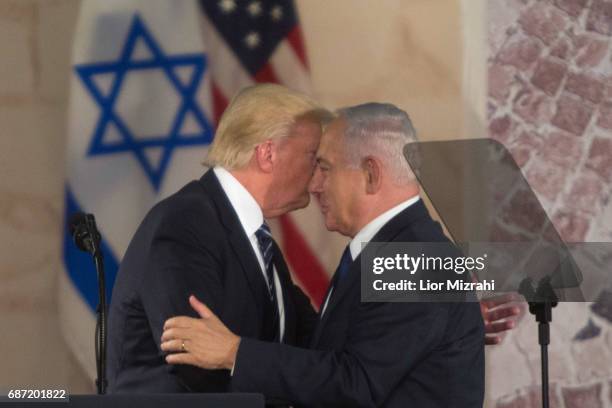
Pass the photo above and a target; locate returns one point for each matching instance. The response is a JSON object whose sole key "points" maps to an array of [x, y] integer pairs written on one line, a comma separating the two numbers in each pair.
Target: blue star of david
{"points": [[127, 141]]}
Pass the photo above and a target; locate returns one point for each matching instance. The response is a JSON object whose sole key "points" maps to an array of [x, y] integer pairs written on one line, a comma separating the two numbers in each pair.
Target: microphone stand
{"points": [[87, 238], [541, 301], [101, 320]]}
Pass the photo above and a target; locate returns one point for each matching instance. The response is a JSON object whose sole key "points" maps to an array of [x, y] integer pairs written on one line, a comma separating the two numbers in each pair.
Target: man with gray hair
{"points": [[362, 354]]}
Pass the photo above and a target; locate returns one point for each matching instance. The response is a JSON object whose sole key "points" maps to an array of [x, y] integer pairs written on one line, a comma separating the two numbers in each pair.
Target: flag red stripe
{"points": [[297, 44], [305, 265], [266, 74], [219, 102]]}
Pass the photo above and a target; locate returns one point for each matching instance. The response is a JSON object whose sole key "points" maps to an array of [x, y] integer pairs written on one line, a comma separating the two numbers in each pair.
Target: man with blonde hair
{"points": [[210, 239]]}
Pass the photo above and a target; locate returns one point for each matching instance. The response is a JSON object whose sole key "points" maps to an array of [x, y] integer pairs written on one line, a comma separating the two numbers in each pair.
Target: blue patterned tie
{"points": [[266, 246]]}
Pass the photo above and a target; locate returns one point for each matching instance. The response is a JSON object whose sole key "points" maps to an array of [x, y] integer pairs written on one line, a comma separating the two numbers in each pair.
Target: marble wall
{"points": [[35, 41], [549, 99]]}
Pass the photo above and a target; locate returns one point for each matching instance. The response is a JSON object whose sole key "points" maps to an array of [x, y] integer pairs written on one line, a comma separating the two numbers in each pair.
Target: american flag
{"points": [[251, 41]]}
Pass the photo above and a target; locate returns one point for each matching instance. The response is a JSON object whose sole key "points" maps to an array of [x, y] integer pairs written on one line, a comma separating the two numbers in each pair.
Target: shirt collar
{"points": [[248, 211], [367, 233]]}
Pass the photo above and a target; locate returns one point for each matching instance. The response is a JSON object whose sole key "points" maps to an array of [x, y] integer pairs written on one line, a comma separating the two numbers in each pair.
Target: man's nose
{"points": [[315, 182]]}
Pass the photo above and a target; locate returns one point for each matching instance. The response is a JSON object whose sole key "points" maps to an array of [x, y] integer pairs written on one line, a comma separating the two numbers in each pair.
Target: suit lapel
{"points": [[387, 233], [238, 240]]}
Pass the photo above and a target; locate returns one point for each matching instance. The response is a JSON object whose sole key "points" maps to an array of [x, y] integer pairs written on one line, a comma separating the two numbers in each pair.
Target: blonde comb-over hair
{"points": [[255, 114]]}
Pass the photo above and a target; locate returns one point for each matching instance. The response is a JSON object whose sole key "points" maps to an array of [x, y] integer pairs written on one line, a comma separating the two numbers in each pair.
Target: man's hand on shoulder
{"points": [[204, 342]]}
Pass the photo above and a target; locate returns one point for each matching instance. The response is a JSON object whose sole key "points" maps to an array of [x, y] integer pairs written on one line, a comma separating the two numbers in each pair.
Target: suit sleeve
{"points": [[181, 263], [385, 342]]}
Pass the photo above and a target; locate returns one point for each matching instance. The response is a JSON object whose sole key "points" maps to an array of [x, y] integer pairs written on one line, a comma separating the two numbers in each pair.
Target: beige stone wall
{"points": [[409, 53], [391, 50], [549, 102], [35, 42], [405, 52]]}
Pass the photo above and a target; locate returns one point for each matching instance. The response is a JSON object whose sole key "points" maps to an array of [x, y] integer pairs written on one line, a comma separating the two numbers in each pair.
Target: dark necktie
{"points": [[341, 271], [344, 265], [266, 246]]}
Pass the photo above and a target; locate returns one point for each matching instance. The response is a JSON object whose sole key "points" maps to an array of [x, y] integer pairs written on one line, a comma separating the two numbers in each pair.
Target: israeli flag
{"points": [[139, 125]]}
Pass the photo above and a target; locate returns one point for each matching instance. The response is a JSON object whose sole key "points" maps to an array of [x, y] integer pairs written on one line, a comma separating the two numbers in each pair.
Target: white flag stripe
{"points": [[113, 18], [324, 244], [228, 73], [289, 69]]}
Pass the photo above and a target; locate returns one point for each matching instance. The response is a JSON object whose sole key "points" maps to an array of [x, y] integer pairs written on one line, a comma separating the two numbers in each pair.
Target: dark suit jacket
{"points": [[190, 243], [377, 354]]}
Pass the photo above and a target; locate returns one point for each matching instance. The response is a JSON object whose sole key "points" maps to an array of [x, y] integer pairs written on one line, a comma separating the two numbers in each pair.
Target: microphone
{"points": [[84, 232]]}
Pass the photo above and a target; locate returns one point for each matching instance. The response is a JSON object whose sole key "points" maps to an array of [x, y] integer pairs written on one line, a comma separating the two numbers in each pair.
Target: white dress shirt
{"points": [[365, 235], [250, 217]]}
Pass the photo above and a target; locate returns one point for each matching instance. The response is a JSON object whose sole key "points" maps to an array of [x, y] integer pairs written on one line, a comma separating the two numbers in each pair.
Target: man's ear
{"points": [[372, 168], [264, 156]]}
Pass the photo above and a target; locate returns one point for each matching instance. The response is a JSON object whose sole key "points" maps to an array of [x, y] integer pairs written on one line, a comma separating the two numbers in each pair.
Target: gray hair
{"points": [[381, 130]]}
